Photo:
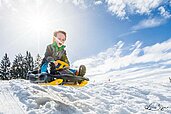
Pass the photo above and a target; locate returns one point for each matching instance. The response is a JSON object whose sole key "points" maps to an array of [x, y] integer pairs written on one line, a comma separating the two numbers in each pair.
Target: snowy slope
{"points": [[102, 98], [119, 84], [9, 103]]}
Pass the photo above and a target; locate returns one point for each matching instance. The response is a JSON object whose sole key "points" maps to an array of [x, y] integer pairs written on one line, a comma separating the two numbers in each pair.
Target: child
{"points": [[56, 51]]}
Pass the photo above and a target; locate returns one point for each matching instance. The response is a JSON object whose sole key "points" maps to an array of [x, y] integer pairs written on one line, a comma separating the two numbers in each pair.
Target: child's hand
{"points": [[56, 63]]}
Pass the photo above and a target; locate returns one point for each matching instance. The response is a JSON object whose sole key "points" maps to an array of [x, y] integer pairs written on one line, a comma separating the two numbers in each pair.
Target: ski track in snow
{"points": [[9, 103]]}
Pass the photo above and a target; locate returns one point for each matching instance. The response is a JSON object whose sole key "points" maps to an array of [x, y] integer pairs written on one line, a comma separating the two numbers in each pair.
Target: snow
{"points": [[108, 97], [9, 103], [128, 89]]}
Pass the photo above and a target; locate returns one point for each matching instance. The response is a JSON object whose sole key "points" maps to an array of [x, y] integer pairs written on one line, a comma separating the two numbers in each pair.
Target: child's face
{"points": [[61, 38]]}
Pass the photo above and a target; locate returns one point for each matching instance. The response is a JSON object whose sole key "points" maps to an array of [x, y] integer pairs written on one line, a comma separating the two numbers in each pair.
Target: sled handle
{"points": [[61, 64]]}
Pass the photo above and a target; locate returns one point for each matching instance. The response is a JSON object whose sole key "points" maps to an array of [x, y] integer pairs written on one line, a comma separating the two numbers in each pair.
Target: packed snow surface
{"points": [[110, 97]]}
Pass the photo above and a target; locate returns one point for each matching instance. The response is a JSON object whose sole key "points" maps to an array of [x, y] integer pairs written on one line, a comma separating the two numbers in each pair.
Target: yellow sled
{"points": [[62, 76], [59, 82]]}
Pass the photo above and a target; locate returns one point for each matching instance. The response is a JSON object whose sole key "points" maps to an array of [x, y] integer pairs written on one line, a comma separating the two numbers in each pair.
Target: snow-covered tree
{"points": [[5, 68], [37, 62], [29, 61], [19, 67]]}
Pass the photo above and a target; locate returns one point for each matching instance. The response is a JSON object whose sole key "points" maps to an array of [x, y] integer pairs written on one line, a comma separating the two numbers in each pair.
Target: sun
{"points": [[37, 22]]}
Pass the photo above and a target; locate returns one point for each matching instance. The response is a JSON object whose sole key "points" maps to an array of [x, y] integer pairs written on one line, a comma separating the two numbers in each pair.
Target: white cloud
{"points": [[148, 23], [156, 53], [158, 48], [164, 13], [136, 49], [121, 8], [98, 2], [111, 59], [127, 33], [80, 3], [115, 51], [118, 7]]}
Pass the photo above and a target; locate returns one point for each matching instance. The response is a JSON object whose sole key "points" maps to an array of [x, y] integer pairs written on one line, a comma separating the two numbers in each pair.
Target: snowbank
{"points": [[110, 97]]}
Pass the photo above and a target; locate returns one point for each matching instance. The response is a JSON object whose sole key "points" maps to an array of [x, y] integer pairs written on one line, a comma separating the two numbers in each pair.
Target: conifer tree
{"points": [[19, 67], [5, 68], [29, 61], [37, 62]]}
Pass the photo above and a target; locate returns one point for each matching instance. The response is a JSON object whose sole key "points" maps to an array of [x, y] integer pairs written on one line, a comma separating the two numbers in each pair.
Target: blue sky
{"points": [[92, 26]]}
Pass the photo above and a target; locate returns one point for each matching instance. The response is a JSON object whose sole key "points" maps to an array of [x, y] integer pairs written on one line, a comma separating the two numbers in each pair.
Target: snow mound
{"points": [[110, 97]]}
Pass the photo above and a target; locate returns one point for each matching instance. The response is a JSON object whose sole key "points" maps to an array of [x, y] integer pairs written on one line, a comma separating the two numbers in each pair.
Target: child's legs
{"points": [[44, 67], [74, 71]]}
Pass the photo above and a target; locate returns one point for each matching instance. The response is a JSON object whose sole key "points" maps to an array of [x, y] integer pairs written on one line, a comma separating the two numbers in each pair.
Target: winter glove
{"points": [[50, 59], [55, 62]]}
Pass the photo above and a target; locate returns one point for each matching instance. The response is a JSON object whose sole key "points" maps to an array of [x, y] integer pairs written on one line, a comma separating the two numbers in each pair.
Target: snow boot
{"points": [[82, 70]]}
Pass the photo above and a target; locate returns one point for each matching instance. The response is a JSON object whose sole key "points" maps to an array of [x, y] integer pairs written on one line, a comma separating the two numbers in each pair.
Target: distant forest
{"points": [[20, 66]]}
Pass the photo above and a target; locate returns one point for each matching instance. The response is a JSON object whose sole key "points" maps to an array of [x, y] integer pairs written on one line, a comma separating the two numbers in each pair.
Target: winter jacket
{"points": [[53, 53]]}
